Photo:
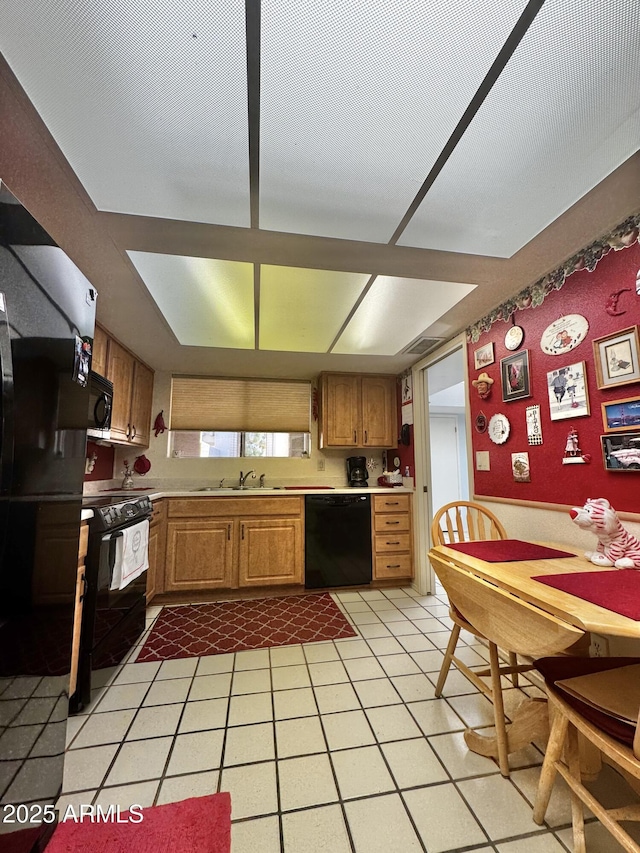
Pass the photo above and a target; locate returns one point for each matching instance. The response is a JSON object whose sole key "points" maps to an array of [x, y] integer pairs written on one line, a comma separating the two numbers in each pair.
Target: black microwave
{"points": [[100, 405]]}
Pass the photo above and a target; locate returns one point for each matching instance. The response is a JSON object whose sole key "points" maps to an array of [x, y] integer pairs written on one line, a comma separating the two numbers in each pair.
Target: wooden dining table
{"points": [[514, 608]]}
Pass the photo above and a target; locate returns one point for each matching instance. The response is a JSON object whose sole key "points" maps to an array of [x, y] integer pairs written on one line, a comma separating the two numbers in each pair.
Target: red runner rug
{"points": [[232, 626], [198, 825]]}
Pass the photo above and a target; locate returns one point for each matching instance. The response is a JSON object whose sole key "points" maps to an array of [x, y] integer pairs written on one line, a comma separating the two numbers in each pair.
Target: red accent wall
{"points": [[584, 293], [103, 469]]}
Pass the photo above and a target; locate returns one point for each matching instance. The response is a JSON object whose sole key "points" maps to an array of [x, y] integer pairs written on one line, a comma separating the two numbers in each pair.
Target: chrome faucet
{"points": [[262, 476], [243, 478], [221, 482]]}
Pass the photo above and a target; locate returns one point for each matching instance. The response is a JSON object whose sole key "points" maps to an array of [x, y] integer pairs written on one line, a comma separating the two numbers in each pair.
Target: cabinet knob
{"points": [[355, 437], [365, 436]]}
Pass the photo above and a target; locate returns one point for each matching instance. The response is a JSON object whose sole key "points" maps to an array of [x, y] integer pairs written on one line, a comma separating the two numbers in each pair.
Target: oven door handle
{"points": [[107, 559]]}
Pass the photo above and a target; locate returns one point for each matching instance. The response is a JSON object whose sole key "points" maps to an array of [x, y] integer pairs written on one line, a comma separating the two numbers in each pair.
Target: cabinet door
{"points": [[99, 351], [120, 372], [141, 405], [199, 555], [270, 552], [379, 411], [157, 547], [341, 411]]}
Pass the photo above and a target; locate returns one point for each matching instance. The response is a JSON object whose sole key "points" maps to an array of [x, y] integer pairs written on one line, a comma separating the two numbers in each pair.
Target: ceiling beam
{"points": [[225, 242]]}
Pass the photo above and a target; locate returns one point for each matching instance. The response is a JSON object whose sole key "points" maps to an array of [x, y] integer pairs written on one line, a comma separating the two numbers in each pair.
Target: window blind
{"points": [[242, 405]]}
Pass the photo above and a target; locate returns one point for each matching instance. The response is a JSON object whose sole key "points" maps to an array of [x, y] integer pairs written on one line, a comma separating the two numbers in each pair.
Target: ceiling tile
{"points": [[358, 98], [395, 311], [148, 101], [562, 116], [302, 310], [207, 303]]}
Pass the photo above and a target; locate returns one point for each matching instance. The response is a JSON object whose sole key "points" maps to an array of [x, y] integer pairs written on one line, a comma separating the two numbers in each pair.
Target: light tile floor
{"points": [[335, 746]]}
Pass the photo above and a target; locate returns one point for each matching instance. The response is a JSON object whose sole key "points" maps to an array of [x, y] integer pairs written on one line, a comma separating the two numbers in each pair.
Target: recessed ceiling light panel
{"points": [[562, 116], [396, 310], [148, 101], [302, 310], [207, 303]]}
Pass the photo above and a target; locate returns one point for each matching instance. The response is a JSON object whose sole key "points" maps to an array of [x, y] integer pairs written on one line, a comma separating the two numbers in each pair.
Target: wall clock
{"points": [[499, 428], [514, 337], [564, 334]]}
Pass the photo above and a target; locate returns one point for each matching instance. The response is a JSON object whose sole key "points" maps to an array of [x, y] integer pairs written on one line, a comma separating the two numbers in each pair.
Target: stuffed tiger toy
{"points": [[616, 546]]}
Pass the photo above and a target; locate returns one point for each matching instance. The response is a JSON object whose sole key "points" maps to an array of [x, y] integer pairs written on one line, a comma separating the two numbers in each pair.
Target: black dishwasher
{"points": [[337, 540]]}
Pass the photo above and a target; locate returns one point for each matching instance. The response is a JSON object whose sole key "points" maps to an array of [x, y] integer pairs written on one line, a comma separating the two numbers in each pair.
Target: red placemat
{"points": [[507, 550], [618, 591]]}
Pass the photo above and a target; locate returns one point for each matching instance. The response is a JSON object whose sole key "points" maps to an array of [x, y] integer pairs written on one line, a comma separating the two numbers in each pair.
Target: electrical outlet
{"points": [[599, 647], [320, 464]]}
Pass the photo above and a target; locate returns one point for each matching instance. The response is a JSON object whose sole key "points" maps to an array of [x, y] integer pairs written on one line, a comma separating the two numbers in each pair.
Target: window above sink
{"points": [[192, 444]]}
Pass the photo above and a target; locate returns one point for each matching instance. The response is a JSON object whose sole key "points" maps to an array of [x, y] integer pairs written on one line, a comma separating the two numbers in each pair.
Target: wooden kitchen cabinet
{"points": [[392, 537], [357, 410], [99, 351], [271, 552], [227, 543], [157, 549], [132, 396]]}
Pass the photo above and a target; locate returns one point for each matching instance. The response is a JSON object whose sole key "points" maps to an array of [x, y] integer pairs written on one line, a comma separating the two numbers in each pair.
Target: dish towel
{"points": [[132, 554]]}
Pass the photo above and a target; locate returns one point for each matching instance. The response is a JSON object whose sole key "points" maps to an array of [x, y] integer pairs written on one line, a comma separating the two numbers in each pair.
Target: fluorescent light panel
{"points": [[395, 311], [302, 310], [207, 303], [358, 98], [563, 115], [148, 101]]}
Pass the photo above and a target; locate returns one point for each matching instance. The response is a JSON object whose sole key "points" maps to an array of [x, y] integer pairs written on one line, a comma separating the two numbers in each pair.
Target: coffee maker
{"points": [[357, 473]]}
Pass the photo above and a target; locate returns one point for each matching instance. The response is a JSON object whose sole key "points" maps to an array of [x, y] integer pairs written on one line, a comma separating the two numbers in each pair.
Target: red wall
{"points": [[584, 293], [103, 468]]}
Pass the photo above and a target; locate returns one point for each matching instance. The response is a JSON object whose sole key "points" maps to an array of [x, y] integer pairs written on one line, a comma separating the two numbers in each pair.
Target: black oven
{"points": [[100, 405], [113, 618]]}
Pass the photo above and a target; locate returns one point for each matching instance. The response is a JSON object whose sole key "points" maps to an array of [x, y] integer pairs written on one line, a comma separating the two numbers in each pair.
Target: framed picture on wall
{"points": [[514, 373], [618, 415], [621, 452], [483, 356], [568, 394], [616, 358]]}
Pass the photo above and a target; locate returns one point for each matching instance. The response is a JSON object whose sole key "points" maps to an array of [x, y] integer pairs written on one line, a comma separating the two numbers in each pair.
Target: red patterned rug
{"points": [[233, 626]]}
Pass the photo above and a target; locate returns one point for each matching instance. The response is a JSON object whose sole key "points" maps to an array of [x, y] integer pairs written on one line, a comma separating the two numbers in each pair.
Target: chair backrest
{"points": [[463, 521]]}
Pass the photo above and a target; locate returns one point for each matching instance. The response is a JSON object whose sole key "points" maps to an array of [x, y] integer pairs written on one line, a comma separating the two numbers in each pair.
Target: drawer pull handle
{"points": [[392, 522], [392, 543], [393, 565], [391, 503]]}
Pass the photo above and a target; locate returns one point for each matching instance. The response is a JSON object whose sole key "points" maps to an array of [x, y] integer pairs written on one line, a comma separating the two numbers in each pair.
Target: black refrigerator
{"points": [[47, 317]]}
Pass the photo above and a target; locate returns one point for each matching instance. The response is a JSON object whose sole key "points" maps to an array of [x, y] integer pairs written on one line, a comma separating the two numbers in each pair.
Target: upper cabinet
{"points": [[357, 410], [132, 390]]}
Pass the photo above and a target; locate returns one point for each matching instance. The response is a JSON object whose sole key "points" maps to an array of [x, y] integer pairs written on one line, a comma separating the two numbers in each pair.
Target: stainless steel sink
{"points": [[216, 489]]}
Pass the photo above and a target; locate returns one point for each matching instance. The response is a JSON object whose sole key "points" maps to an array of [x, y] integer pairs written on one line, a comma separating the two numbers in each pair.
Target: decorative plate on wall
{"points": [[514, 337], [499, 428], [481, 422], [564, 334]]}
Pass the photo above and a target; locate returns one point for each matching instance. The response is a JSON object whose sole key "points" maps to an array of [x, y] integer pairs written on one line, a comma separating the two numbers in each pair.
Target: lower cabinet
{"points": [[271, 552], [392, 537], [226, 543], [157, 547]]}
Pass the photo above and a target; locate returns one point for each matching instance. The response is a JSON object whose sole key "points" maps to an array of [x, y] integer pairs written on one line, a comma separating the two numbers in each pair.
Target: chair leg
{"points": [[446, 663], [513, 661], [498, 711], [572, 753], [549, 770]]}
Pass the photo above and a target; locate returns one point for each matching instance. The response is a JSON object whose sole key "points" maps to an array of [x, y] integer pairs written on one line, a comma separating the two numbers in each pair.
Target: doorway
{"points": [[440, 433]]}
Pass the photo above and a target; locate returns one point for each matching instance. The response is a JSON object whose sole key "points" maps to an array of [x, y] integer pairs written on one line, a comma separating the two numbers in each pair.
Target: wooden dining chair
{"points": [[617, 740], [463, 521], [505, 621]]}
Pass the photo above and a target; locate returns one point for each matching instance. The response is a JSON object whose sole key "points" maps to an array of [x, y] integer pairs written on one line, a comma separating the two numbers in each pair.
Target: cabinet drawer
{"points": [[384, 543], [385, 522], [391, 503], [393, 566]]}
